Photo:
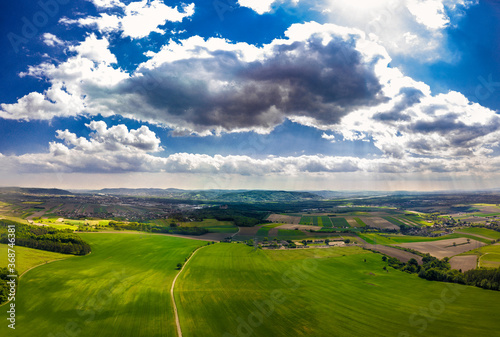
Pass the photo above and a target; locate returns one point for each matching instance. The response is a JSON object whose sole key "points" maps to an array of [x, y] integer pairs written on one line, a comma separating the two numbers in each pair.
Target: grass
{"points": [[213, 225], [264, 230], [482, 231], [416, 219], [394, 221], [360, 222], [391, 239], [27, 258], [321, 292], [122, 289], [489, 256], [284, 234], [491, 260], [340, 222]]}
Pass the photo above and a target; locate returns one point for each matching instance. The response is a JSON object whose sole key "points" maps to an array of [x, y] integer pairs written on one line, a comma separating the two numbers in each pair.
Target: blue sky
{"points": [[284, 94]]}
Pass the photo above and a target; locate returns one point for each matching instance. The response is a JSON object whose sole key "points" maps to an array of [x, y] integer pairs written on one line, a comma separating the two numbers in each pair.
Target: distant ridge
{"points": [[38, 191], [212, 195], [267, 196]]}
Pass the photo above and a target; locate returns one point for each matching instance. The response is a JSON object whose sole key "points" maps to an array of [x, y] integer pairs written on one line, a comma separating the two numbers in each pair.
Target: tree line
{"points": [[142, 227], [45, 238], [434, 269], [4, 286]]}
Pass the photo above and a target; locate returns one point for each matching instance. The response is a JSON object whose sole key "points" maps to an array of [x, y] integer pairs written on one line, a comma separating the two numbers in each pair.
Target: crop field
{"points": [[213, 225], [359, 222], [287, 219], [264, 230], [463, 262], [285, 234], [444, 248], [27, 258], [380, 223], [394, 221], [391, 239], [484, 232], [324, 221], [416, 219], [308, 220], [399, 254], [232, 290], [122, 289], [340, 222], [490, 256]]}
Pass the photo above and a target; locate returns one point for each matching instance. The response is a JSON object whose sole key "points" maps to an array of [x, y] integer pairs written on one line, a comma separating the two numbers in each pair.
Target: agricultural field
{"points": [[121, 289], [359, 222], [380, 223], [490, 256], [444, 248], [481, 232], [264, 230], [213, 225], [286, 219], [260, 292], [27, 258], [463, 262], [340, 222], [399, 254]]}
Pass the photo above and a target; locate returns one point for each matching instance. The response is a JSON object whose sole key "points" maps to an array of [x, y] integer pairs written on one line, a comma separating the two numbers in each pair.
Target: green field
{"points": [[213, 225], [482, 231], [323, 292], [416, 219], [322, 221], [360, 222], [394, 221], [27, 258], [340, 222], [264, 230], [490, 256], [121, 289], [285, 234], [391, 239], [306, 220]]}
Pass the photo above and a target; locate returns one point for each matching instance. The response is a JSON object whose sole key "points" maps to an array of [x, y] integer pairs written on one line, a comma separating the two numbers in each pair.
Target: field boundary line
{"points": [[177, 322]]}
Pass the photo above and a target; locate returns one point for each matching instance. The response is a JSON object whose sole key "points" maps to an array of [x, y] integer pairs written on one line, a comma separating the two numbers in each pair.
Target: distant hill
{"points": [[267, 196], [38, 191], [171, 193], [212, 195]]}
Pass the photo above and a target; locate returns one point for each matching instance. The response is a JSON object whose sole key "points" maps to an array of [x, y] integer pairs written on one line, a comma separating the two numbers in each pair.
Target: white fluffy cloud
{"points": [[413, 28], [116, 138], [118, 150], [72, 81], [262, 6], [138, 19], [325, 76], [52, 40]]}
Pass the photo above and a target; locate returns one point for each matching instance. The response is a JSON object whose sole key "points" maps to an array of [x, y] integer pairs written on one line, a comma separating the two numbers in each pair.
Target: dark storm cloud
{"points": [[411, 96], [307, 78]]}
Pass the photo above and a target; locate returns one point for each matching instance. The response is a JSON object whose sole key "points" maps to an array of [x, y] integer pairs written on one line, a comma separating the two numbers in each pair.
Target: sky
{"points": [[250, 94]]}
